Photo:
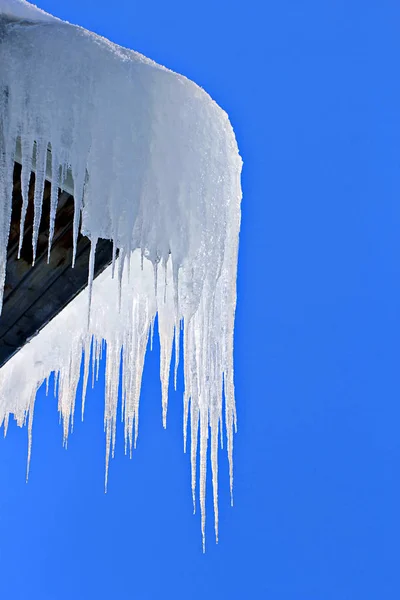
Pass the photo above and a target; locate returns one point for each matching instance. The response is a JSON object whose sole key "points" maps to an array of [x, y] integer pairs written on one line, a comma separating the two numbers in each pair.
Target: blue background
{"points": [[313, 92]]}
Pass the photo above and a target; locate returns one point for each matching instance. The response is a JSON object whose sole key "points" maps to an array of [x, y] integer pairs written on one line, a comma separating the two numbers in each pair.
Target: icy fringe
{"points": [[155, 168]]}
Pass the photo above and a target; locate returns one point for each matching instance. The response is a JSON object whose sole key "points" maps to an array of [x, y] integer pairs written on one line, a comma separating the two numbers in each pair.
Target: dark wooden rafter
{"points": [[34, 295]]}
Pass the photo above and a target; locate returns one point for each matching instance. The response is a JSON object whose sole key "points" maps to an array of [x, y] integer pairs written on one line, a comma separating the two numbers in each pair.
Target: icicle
{"points": [[30, 426], [88, 345], [98, 352], [91, 276], [175, 275], [56, 376], [6, 422], [7, 153], [77, 214], [111, 401], [187, 391], [41, 157], [151, 334], [165, 363], [177, 341], [94, 354], [214, 468], [55, 174], [203, 472], [26, 153], [229, 433], [185, 419], [194, 427]]}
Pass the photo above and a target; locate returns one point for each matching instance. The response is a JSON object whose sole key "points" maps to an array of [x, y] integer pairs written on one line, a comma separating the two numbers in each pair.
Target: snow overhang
{"points": [[156, 171]]}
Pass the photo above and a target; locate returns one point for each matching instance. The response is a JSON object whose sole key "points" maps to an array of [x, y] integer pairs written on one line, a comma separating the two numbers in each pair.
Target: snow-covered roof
{"points": [[155, 169], [19, 9]]}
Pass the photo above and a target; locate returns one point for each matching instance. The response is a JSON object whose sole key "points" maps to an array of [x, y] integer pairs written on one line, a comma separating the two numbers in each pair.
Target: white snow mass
{"points": [[156, 169]]}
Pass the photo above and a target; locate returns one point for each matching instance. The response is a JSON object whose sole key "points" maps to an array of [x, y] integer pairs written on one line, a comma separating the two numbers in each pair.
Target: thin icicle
{"points": [[214, 468], [194, 428], [151, 334], [91, 277], [26, 170], [203, 472], [185, 419], [30, 426], [56, 377], [78, 195], [41, 157], [86, 365], [177, 350], [229, 433], [98, 353], [55, 180], [94, 354], [5, 424]]}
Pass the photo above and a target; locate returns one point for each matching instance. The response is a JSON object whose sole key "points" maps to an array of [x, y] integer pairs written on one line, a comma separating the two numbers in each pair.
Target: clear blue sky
{"points": [[313, 92]]}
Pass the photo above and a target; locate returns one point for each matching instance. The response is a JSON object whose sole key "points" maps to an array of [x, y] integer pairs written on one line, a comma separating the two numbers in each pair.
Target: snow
{"points": [[19, 9], [155, 168]]}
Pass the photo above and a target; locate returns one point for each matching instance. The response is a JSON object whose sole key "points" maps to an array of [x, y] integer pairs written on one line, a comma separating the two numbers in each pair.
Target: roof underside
{"points": [[34, 295]]}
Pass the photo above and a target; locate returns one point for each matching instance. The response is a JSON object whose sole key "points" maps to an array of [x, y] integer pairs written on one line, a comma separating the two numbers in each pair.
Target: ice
{"points": [[154, 167]]}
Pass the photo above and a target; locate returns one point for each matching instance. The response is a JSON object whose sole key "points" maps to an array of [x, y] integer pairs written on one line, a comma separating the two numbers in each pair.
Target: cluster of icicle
{"points": [[155, 169]]}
